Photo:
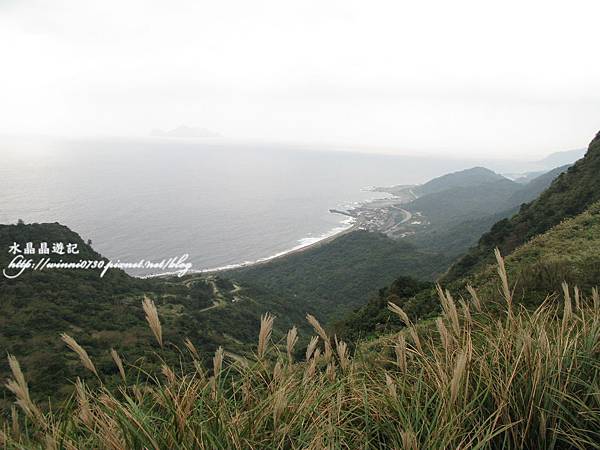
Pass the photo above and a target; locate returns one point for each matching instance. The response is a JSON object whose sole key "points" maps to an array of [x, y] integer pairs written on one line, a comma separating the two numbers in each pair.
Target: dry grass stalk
{"points": [[218, 362], [264, 335], [117, 359], [317, 326], [506, 292], [400, 313], [457, 376], [168, 373], [568, 309], [18, 386], [80, 351], [191, 348], [330, 371], [409, 440], [328, 352], [15, 426], [400, 350], [152, 319], [312, 345], [292, 339], [85, 411], [279, 405], [391, 386], [449, 308], [474, 297], [577, 299], [416, 340], [596, 298], [445, 337], [277, 372], [310, 370], [342, 351]]}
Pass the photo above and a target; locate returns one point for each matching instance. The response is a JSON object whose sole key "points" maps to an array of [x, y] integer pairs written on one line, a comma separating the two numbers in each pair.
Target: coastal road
{"points": [[407, 215]]}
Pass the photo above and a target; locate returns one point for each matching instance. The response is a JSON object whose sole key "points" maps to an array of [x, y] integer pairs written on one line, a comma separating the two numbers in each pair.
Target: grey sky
{"points": [[513, 78]]}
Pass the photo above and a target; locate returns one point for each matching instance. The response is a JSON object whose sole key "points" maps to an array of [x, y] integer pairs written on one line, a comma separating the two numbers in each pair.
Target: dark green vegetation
{"points": [[330, 280], [570, 194], [104, 313], [475, 176], [374, 317], [534, 187], [569, 252], [512, 365], [499, 378], [327, 281], [461, 206], [457, 204]]}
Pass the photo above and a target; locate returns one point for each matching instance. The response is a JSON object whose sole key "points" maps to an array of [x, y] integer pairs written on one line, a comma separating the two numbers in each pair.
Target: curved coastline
{"points": [[346, 226]]}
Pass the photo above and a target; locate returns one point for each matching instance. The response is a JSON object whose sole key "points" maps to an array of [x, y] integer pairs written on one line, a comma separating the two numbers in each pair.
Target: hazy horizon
{"points": [[496, 80]]}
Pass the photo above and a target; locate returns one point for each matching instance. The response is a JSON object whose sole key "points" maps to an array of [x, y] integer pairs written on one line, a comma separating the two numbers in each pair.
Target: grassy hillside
{"points": [[570, 194], [331, 280], [569, 252], [39, 305], [508, 379]]}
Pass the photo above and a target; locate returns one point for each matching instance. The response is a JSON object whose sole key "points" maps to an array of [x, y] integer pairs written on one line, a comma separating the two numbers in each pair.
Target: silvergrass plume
{"points": [[342, 351], [400, 350], [449, 308], [85, 411], [218, 362], [117, 359], [80, 351], [18, 386], [400, 313], [409, 440], [317, 326], [192, 348], [153, 319], [264, 335], [457, 376], [292, 339], [474, 297], [391, 386], [312, 345], [504, 279], [568, 309]]}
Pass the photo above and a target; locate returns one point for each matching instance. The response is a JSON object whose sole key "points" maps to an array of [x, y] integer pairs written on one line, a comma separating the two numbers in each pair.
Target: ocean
{"points": [[224, 203]]}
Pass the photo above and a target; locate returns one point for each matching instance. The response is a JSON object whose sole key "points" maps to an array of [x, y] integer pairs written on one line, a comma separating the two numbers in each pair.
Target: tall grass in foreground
{"points": [[471, 379]]}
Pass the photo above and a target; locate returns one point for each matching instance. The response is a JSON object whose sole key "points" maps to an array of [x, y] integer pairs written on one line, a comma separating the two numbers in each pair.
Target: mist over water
{"points": [[222, 203]]}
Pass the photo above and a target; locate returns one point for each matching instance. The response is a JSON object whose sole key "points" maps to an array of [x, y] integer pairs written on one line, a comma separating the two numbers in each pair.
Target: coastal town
{"points": [[387, 215]]}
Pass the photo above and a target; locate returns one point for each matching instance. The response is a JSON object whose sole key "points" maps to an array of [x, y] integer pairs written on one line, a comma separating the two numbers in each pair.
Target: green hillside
{"points": [[39, 305], [332, 279], [459, 203], [569, 252], [476, 377], [465, 178], [534, 187], [570, 194], [458, 216]]}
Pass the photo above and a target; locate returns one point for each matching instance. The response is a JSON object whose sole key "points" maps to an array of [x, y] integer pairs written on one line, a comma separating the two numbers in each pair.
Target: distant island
{"points": [[184, 131]]}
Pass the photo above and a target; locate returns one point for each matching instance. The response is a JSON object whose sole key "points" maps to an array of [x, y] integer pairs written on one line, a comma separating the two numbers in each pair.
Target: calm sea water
{"points": [[222, 203]]}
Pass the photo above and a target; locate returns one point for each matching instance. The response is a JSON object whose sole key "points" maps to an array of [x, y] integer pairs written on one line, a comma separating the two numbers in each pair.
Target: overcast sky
{"points": [[463, 77]]}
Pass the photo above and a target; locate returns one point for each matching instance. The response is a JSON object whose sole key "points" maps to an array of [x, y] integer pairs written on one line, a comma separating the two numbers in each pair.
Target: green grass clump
{"points": [[473, 378]]}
